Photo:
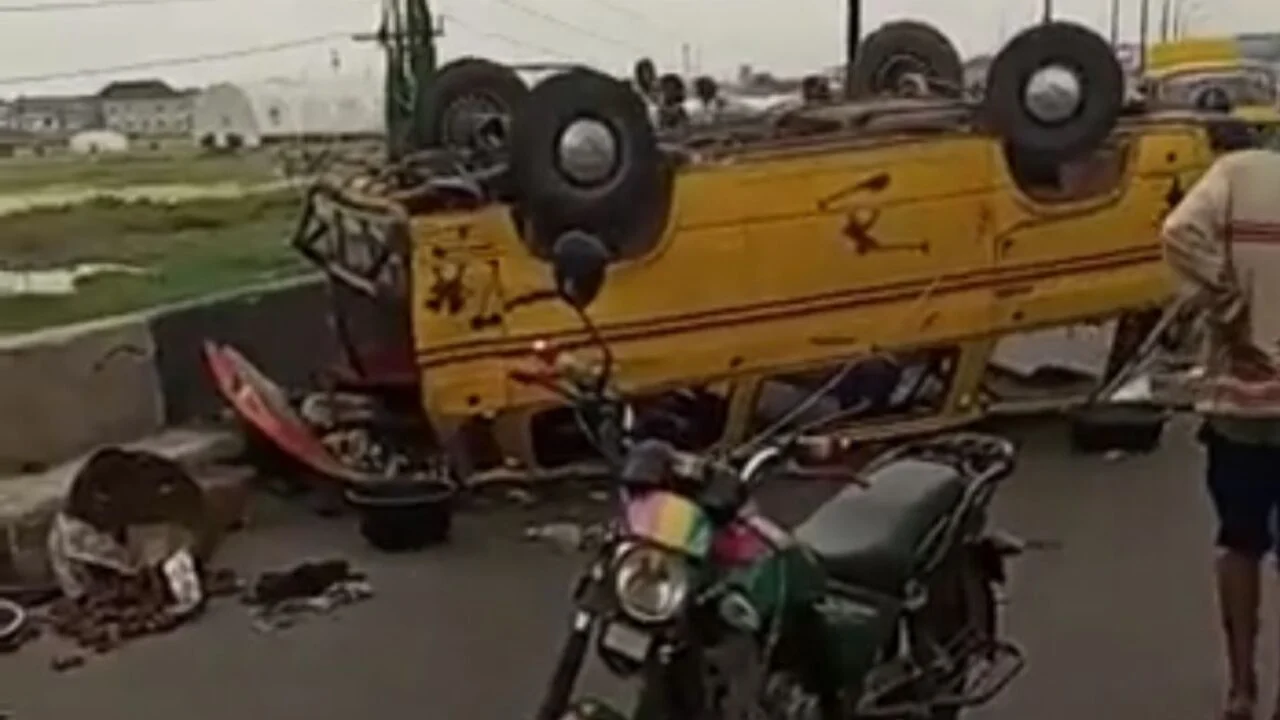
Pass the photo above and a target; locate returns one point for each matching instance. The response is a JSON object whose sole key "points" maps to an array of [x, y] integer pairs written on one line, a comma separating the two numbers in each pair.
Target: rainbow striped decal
{"points": [[670, 521]]}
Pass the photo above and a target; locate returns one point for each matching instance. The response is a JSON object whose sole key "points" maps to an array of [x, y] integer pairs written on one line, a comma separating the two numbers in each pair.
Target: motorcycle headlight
{"points": [[651, 584]]}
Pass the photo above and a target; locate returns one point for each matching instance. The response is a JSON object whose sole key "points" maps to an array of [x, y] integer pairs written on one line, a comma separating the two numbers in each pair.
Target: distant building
{"points": [[146, 108], [56, 115], [97, 142], [11, 141], [253, 114]]}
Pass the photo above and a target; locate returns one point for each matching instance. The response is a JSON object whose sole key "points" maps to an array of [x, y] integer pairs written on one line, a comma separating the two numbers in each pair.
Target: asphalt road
{"points": [[1114, 609]]}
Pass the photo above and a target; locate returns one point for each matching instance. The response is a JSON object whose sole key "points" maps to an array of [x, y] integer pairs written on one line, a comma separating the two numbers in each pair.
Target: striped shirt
{"points": [[1223, 242]]}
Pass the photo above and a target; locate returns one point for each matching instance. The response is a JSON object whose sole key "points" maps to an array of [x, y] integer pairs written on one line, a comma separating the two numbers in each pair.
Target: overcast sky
{"points": [[784, 35]]}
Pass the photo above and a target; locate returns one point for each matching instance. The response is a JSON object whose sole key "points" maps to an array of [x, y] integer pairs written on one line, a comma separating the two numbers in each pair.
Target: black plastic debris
{"points": [[281, 598]]}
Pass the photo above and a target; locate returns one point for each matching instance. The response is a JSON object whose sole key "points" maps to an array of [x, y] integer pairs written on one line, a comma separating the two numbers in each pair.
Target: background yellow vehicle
{"points": [[754, 262], [1211, 74]]}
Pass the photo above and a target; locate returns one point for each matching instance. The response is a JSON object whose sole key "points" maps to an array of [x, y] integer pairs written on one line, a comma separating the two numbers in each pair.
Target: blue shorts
{"points": [[1244, 483]]}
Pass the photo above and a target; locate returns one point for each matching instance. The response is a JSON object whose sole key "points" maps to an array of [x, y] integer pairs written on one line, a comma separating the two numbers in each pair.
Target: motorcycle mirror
{"points": [[579, 261]]}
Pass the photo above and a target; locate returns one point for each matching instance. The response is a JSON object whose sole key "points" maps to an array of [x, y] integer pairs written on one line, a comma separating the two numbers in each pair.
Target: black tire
{"points": [[1079, 50], [495, 87], [906, 46], [627, 209]]}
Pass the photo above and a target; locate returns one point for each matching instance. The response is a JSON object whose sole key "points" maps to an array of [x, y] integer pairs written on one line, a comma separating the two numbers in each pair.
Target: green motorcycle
{"points": [[881, 605]]}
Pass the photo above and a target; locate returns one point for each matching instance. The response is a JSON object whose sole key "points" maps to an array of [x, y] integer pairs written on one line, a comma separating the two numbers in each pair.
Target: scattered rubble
{"points": [[115, 610], [130, 553], [281, 599]]}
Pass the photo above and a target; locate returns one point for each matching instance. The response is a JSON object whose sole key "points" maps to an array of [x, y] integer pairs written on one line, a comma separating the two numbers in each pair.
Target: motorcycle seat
{"points": [[872, 536]]}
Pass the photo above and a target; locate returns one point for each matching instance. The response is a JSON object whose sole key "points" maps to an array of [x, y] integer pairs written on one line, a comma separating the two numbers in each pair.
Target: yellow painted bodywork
{"points": [[1212, 51], [1207, 55], [756, 273]]}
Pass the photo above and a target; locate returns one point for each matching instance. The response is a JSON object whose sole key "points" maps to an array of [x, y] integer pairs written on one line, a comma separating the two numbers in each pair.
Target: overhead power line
{"points": [[504, 38], [89, 5], [635, 14], [175, 61], [548, 17]]}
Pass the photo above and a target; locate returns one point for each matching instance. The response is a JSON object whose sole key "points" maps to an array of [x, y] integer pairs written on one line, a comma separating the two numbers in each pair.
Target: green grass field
{"points": [[29, 175], [190, 249]]}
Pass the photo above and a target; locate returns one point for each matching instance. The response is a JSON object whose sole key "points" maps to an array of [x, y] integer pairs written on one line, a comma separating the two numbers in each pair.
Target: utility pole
{"points": [[407, 34], [1166, 17], [853, 36], [1144, 22]]}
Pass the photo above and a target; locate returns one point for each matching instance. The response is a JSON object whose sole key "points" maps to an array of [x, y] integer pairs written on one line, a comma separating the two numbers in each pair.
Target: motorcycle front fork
{"points": [[568, 667]]}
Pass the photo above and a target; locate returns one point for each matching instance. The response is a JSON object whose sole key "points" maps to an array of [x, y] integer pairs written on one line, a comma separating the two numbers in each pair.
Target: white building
{"points": [[94, 142], [251, 114]]}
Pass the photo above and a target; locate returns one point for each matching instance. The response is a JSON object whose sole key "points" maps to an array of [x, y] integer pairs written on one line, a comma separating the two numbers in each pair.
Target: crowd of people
{"points": [[669, 103]]}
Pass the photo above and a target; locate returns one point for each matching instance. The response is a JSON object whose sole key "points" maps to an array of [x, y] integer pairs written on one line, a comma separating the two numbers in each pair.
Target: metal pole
{"points": [[1144, 21], [853, 35], [1166, 16], [1115, 23], [1047, 15]]}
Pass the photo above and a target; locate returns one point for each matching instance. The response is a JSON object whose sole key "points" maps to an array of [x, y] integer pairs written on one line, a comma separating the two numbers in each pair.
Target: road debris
{"points": [[15, 628], [281, 599], [63, 663], [116, 609], [567, 536], [127, 549]]}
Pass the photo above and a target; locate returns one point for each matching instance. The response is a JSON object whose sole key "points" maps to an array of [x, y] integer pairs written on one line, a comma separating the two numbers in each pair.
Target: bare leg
{"points": [[1238, 598]]}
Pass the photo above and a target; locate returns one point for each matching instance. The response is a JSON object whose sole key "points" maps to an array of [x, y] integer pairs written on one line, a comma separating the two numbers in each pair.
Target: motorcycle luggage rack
{"points": [[1004, 662]]}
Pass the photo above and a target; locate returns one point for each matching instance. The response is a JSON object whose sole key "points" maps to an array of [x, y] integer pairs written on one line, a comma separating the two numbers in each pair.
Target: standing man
{"points": [[672, 114], [710, 106], [1223, 242]]}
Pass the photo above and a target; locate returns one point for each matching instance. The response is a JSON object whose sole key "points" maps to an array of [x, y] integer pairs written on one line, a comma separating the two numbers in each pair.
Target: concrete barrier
{"points": [[282, 329], [66, 390]]}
